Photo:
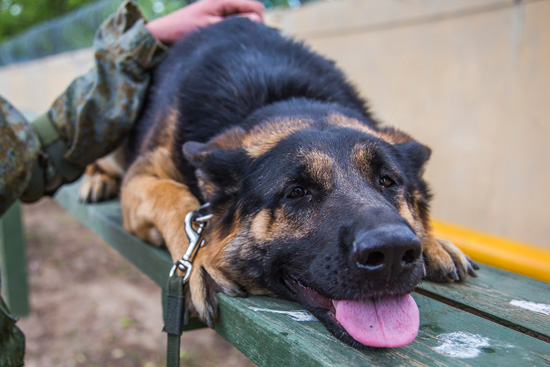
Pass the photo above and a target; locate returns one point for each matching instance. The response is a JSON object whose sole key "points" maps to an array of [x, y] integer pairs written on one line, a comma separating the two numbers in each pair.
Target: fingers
{"points": [[244, 8], [252, 16], [178, 24]]}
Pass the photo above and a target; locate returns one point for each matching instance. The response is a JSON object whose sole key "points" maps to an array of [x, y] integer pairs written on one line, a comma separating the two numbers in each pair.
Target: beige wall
{"points": [[469, 78], [33, 86]]}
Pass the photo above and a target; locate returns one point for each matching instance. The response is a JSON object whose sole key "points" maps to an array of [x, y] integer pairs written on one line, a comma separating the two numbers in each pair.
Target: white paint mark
{"points": [[294, 315], [532, 306], [465, 345]]}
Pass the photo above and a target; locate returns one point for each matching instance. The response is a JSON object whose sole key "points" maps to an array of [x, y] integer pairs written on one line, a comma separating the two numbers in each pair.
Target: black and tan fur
{"points": [[295, 168]]}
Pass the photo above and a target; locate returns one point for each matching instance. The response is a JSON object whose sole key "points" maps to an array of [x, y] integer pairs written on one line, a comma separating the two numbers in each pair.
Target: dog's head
{"points": [[314, 205]]}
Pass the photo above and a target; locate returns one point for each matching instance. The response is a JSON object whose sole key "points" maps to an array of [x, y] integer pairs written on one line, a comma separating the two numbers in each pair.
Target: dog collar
{"points": [[196, 240]]}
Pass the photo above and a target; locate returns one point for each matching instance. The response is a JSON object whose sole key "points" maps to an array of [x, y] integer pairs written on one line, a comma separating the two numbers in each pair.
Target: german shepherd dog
{"points": [[312, 200]]}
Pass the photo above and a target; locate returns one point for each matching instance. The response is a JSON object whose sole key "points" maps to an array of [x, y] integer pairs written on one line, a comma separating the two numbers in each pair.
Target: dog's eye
{"points": [[386, 181], [297, 192]]}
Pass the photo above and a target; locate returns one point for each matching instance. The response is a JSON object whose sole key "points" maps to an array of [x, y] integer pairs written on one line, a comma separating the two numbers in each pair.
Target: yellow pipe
{"points": [[517, 257]]}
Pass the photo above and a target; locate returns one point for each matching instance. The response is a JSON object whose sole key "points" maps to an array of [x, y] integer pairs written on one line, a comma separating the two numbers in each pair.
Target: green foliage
{"points": [[31, 29], [18, 15]]}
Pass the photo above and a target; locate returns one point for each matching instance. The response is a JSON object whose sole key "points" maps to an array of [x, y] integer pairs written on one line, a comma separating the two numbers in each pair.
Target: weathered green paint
{"points": [[14, 265], [105, 219], [273, 339], [490, 295]]}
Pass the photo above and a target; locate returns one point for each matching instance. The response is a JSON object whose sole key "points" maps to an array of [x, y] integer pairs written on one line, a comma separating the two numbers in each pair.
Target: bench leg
{"points": [[13, 262]]}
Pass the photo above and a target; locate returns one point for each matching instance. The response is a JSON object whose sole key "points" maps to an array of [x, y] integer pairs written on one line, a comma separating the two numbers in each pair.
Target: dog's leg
{"points": [[101, 179], [154, 204], [445, 262]]}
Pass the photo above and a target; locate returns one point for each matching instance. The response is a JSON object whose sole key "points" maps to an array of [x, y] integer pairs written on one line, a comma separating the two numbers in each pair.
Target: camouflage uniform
{"points": [[86, 122], [89, 120]]}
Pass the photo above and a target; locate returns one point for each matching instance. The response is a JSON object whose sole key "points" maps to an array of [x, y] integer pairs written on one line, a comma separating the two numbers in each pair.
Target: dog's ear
{"points": [[215, 161], [219, 171], [196, 153], [415, 154]]}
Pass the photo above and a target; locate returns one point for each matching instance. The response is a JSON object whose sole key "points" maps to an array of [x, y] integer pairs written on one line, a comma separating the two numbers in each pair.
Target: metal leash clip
{"points": [[195, 238]]}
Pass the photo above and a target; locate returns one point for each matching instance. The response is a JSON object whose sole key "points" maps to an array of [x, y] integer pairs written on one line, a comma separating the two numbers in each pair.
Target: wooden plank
{"points": [[14, 264], [273, 339], [448, 337], [509, 299], [105, 219]]}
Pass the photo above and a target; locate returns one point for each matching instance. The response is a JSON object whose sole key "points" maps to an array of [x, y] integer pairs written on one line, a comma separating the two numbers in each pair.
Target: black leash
{"points": [[173, 319], [174, 316]]}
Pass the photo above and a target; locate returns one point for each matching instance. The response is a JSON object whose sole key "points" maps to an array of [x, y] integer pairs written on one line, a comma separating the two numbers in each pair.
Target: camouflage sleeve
{"points": [[87, 121], [99, 108], [18, 150]]}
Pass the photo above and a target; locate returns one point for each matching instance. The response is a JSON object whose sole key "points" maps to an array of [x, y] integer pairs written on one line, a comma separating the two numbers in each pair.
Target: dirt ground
{"points": [[90, 307]]}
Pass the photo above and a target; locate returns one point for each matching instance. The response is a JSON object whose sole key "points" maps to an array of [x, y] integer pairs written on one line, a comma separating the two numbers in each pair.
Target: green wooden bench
{"points": [[498, 319]]}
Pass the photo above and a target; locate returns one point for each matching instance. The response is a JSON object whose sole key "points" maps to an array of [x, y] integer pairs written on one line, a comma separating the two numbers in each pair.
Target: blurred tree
{"points": [[18, 15], [31, 29]]}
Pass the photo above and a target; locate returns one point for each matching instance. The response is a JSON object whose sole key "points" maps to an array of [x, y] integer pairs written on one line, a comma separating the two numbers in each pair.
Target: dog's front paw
{"points": [[202, 299], [447, 263], [97, 185]]}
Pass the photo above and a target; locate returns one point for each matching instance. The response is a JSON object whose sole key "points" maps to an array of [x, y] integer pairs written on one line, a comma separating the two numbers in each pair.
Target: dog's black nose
{"points": [[387, 251]]}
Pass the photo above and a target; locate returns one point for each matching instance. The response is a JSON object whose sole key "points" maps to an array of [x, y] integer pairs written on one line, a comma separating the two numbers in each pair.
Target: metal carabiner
{"points": [[195, 238]]}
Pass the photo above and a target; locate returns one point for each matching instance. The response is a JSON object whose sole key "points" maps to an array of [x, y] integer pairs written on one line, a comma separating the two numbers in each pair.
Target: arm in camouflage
{"points": [[98, 109], [19, 147], [90, 119]]}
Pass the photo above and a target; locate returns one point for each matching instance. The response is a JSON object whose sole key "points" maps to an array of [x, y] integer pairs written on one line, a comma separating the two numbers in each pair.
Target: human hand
{"points": [[178, 24]]}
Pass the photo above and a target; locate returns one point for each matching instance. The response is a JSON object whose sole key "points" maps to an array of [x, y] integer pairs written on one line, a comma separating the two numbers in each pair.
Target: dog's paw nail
{"points": [[239, 293], [209, 322], [454, 276], [84, 197], [472, 267]]}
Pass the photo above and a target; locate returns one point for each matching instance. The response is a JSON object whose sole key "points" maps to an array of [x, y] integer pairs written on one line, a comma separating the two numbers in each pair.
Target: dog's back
{"points": [[220, 75]]}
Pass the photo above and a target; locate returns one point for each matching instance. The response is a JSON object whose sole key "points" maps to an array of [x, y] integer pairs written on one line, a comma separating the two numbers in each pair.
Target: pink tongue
{"points": [[390, 322]]}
